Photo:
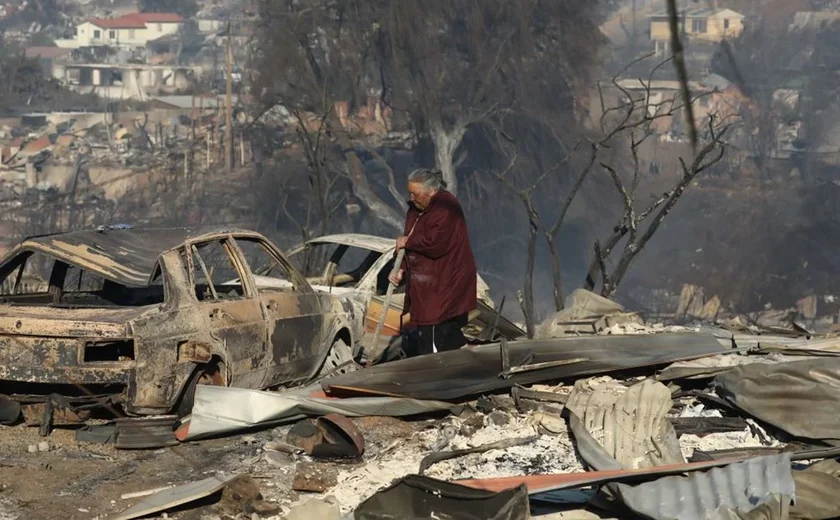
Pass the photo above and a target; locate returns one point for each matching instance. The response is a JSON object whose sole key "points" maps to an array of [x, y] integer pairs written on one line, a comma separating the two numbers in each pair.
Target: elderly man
{"points": [[439, 266]]}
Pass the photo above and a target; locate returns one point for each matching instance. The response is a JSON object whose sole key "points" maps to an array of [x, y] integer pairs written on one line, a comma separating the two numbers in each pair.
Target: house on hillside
{"points": [[131, 30], [710, 25], [128, 80]]}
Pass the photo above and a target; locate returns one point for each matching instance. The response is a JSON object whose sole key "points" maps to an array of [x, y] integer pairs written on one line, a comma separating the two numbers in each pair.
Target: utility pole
{"points": [[228, 105]]}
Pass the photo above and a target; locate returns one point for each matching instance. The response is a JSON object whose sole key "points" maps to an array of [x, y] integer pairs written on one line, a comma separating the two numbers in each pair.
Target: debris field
{"points": [[602, 416]]}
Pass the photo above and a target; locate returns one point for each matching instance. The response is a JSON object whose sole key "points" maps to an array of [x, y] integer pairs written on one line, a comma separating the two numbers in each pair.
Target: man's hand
{"points": [[396, 278], [401, 241]]}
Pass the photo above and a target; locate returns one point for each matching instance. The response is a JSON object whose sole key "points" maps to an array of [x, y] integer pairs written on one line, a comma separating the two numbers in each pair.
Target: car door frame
{"points": [[245, 352], [297, 316]]}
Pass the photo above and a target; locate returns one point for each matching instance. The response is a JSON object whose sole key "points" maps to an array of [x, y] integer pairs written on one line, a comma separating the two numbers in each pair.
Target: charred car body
{"points": [[138, 317], [356, 267]]}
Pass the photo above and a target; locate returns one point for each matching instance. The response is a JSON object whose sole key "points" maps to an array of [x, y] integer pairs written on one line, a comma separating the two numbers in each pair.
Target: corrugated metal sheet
{"points": [[770, 342], [741, 485], [473, 370], [817, 489], [799, 397], [629, 423], [179, 495], [709, 367], [221, 409]]}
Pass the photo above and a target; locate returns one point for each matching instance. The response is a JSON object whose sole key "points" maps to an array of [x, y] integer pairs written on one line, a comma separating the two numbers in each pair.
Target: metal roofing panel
{"points": [[709, 367], [704, 495], [473, 370], [817, 489], [629, 423], [799, 397], [221, 409], [740, 485], [173, 497]]}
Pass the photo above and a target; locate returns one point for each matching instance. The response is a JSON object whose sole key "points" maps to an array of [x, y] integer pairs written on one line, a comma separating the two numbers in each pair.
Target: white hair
{"points": [[431, 179]]}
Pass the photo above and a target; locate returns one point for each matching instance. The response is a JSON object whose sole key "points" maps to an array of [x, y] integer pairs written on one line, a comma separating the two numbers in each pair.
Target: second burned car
{"points": [[355, 267], [138, 317]]}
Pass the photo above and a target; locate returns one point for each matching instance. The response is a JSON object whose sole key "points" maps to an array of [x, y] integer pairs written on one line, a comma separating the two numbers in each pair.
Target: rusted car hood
{"points": [[58, 322]]}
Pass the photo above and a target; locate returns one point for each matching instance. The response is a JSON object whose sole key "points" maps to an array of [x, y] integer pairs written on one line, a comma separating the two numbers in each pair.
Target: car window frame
{"points": [[228, 245], [299, 283]]}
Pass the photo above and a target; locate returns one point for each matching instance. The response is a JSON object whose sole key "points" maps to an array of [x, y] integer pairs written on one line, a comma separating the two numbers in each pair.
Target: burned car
{"points": [[138, 317], [356, 268]]}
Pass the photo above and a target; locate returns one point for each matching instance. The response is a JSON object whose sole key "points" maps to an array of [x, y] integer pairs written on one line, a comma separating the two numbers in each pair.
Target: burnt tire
{"points": [[210, 374], [339, 360]]}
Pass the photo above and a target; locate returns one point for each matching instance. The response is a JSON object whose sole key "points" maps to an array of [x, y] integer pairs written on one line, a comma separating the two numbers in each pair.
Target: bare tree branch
{"points": [[551, 234], [635, 244]]}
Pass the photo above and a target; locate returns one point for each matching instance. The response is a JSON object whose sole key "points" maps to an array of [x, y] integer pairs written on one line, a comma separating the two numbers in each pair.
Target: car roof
{"points": [[124, 255], [370, 242]]}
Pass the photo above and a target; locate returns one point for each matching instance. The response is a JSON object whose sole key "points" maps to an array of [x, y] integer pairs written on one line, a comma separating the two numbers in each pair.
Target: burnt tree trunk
{"points": [[361, 186], [446, 144]]}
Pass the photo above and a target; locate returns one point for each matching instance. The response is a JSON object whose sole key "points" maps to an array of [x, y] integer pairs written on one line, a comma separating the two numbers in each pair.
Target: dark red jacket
{"points": [[439, 262]]}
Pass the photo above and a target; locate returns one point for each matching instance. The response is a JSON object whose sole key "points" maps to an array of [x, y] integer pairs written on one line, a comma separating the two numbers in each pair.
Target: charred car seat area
{"points": [[135, 318]]}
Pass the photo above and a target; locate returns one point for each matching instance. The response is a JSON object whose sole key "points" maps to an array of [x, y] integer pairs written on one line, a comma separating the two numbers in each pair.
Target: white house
{"points": [[131, 30]]}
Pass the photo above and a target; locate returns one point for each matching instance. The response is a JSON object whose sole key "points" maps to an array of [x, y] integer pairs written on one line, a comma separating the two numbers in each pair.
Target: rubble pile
{"points": [[730, 434], [627, 421]]}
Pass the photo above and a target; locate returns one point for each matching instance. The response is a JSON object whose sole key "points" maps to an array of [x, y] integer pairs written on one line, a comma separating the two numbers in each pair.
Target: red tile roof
{"points": [[136, 20], [118, 23]]}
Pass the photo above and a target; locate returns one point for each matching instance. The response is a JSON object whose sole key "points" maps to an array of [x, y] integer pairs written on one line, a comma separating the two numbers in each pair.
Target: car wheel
{"points": [[339, 360], [210, 374]]}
